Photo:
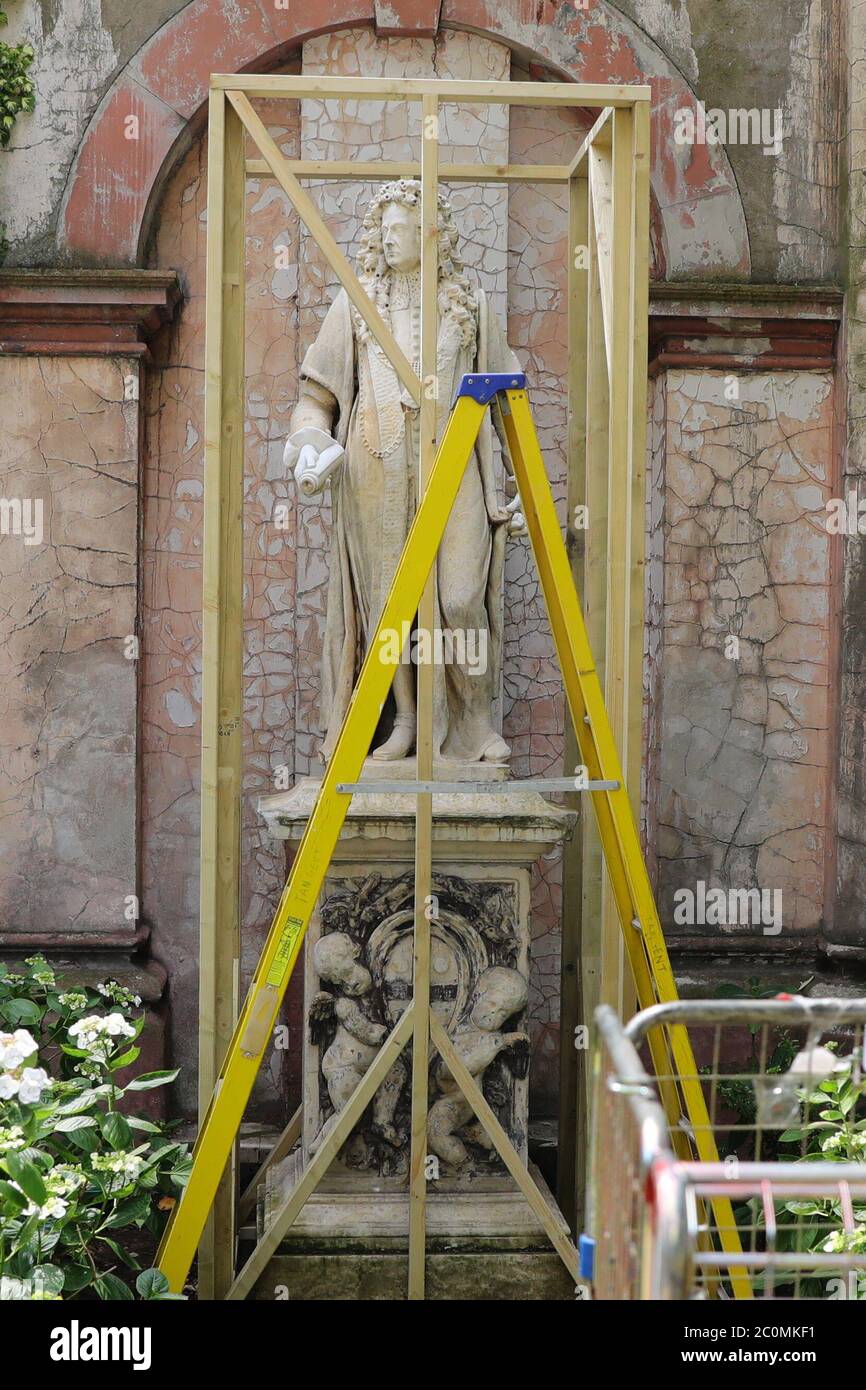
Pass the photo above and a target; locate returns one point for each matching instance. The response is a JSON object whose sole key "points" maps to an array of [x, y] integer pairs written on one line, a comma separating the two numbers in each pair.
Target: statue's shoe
{"points": [[495, 750], [401, 741]]}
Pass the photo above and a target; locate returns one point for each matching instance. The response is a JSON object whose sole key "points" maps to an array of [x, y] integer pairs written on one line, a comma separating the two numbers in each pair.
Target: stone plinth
{"points": [[358, 980]]}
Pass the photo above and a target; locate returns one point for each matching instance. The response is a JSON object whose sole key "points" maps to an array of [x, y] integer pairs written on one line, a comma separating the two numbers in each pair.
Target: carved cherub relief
{"points": [[499, 994]]}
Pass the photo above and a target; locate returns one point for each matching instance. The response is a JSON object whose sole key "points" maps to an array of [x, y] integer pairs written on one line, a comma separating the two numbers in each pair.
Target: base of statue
{"points": [[358, 968], [480, 1246]]}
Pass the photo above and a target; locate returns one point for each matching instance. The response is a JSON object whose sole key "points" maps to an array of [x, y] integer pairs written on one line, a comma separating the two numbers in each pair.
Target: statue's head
{"points": [[401, 237], [391, 241], [335, 957]]}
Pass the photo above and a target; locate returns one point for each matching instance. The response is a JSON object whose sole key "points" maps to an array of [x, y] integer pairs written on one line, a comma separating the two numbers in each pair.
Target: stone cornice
{"points": [[84, 312], [713, 324]]}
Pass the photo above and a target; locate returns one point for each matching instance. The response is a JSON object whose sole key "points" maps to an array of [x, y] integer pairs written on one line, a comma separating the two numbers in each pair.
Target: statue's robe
{"points": [[374, 501]]}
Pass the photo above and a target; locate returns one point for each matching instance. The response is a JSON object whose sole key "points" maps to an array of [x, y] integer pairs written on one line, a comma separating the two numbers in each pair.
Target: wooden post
{"points": [[619, 516], [571, 1143], [424, 738], [634, 751], [595, 610], [222, 651]]}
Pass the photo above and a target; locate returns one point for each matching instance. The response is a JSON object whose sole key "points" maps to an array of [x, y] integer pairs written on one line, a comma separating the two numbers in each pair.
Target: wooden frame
{"points": [[608, 181]]}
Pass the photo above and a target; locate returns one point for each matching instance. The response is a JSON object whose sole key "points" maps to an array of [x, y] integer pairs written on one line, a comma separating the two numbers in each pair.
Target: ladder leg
{"points": [[624, 860], [255, 1026]]}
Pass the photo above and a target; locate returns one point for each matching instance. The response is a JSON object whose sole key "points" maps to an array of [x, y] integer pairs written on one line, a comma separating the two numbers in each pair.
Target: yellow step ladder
{"points": [[603, 782]]}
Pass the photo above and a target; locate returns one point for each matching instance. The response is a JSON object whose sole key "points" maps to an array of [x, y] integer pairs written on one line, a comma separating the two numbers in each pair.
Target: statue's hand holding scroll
{"points": [[516, 519], [314, 456]]}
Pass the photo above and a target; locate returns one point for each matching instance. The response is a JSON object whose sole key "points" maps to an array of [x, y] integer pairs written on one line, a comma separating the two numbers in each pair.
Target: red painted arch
{"points": [[156, 104]]}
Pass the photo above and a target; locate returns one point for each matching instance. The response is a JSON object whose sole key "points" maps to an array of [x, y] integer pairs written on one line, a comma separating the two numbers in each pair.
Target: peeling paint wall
{"points": [[725, 50], [745, 724], [68, 770]]}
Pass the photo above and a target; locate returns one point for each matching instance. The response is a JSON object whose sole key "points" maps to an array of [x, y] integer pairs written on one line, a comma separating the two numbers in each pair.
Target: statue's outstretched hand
{"points": [[313, 456], [516, 519]]}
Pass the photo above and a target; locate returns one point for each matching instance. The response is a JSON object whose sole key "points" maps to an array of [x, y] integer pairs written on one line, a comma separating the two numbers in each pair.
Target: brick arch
{"points": [[115, 179]]}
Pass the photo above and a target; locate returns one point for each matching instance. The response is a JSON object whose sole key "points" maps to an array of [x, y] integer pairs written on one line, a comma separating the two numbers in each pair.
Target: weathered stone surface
{"points": [[518, 1276], [67, 675], [746, 670]]}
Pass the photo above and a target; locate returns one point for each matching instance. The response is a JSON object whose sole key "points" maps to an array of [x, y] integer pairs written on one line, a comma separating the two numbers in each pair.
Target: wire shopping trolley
{"points": [[785, 1088]]}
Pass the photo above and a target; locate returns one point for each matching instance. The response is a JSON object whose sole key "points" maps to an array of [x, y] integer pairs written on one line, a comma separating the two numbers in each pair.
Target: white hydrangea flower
{"points": [[11, 1139], [73, 999], [123, 1167], [54, 1207], [63, 1180], [34, 1080], [27, 1083], [15, 1048], [96, 1034], [117, 1026]]}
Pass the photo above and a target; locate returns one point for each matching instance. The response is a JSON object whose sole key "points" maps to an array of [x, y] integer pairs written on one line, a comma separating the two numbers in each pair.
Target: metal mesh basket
{"points": [[782, 1214]]}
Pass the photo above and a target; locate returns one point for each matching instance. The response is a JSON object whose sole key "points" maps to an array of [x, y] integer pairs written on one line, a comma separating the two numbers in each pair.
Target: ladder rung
{"points": [[492, 788]]}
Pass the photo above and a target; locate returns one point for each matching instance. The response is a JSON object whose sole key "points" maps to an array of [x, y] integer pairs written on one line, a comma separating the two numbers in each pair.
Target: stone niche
{"points": [[359, 949]]}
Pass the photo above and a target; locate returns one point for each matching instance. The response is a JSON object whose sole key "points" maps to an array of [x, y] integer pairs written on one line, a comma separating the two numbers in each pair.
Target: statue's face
{"points": [[401, 237]]}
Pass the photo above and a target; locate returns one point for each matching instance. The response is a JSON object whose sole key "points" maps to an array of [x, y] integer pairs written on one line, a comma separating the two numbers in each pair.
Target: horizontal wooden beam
{"points": [[415, 89], [374, 170]]}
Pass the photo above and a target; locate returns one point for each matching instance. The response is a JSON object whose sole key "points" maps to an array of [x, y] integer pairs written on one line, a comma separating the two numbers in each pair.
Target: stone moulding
{"points": [[84, 312], [736, 326]]}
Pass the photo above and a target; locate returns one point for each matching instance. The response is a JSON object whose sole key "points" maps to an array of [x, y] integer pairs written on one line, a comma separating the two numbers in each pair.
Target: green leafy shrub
{"points": [[837, 1135], [84, 1188], [17, 92]]}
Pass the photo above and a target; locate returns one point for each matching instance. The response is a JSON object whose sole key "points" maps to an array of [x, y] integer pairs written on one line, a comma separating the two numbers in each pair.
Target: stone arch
{"points": [[115, 179]]}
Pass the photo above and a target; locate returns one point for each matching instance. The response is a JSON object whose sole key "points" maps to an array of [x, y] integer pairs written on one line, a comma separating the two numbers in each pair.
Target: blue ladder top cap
{"points": [[483, 387]]}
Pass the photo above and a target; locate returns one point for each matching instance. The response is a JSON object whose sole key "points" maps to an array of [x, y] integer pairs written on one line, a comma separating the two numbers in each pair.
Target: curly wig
{"points": [[456, 297]]}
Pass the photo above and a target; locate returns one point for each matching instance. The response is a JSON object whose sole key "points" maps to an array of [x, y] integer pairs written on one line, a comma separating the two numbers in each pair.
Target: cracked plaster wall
{"points": [[67, 689], [724, 48], [746, 743]]}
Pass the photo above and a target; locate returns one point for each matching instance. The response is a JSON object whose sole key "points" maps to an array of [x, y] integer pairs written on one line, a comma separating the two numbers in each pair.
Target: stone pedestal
{"points": [[358, 974]]}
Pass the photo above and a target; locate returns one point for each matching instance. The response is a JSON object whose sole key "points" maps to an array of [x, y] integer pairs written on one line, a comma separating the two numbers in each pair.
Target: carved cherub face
{"points": [[401, 237], [499, 993], [335, 957]]}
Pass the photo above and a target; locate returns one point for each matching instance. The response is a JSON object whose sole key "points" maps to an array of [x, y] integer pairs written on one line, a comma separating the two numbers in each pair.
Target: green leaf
{"points": [[150, 1079], [146, 1126], [151, 1283], [10, 1194], [78, 1277], [27, 1176], [115, 1130], [132, 1210], [88, 1140], [21, 1011], [126, 1059], [121, 1254], [78, 1103], [48, 1279], [72, 1123], [111, 1288], [180, 1171]]}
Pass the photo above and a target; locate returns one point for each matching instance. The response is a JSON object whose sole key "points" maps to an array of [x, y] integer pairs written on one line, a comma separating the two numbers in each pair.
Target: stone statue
{"points": [[355, 425], [357, 1036], [478, 1041]]}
